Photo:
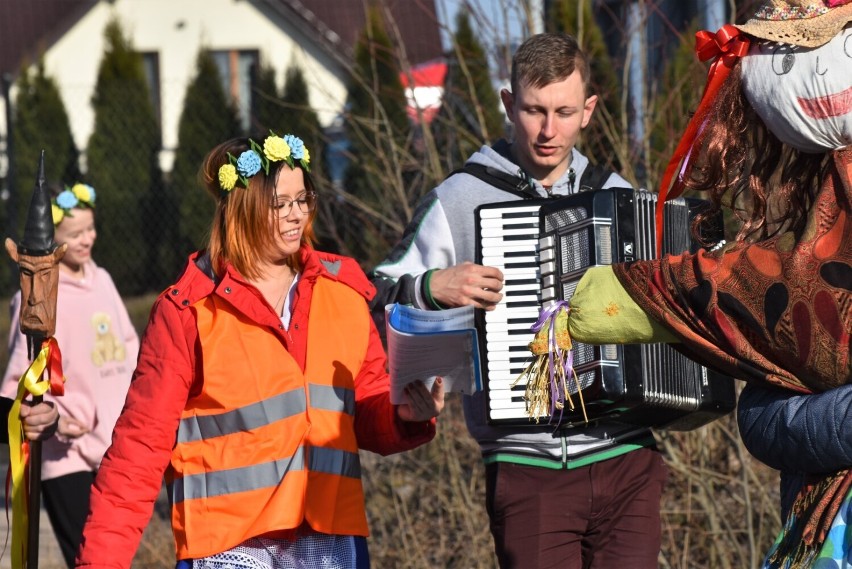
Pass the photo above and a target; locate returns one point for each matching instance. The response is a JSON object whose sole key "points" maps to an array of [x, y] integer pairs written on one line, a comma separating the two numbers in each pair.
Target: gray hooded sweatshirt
{"points": [[442, 234]]}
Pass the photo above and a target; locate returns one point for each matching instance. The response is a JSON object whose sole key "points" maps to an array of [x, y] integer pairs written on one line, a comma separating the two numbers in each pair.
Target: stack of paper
{"points": [[424, 344]]}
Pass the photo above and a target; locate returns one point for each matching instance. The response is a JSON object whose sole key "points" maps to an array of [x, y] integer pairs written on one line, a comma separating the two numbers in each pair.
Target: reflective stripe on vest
{"points": [[327, 460], [253, 457]]}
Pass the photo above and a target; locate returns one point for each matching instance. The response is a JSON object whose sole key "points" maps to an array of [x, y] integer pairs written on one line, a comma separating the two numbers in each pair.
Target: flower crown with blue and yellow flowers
{"points": [[78, 195], [287, 148]]}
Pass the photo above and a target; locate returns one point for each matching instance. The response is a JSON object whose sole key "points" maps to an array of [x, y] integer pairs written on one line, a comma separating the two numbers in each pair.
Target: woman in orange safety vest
{"points": [[260, 376]]}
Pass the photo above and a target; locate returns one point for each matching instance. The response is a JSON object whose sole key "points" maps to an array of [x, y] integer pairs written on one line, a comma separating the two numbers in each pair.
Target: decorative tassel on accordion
{"points": [[552, 367]]}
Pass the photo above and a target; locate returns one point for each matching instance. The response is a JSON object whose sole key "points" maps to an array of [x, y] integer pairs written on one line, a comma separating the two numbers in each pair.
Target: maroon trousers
{"points": [[599, 516]]}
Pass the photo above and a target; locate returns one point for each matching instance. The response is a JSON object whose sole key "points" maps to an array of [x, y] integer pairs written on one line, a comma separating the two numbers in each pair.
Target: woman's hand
{"points": [[72, 428], [422, 404], [39, 420]]}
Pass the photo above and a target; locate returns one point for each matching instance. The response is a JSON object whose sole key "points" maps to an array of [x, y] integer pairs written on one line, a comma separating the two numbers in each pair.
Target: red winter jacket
{"points": [[168, 373]]}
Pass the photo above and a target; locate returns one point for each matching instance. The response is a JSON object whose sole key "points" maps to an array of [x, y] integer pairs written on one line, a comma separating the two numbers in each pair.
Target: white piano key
{"points": [[530, 222], [494, 212], [502, 260], [506, 404], [505, 362], [500, 327], [504, 389], [521, 340], [506, 378], [528, 315], [522, 296], [488, 232], [528, 283], [523, 272], [507, 248], [521, 244], [520, 413]]}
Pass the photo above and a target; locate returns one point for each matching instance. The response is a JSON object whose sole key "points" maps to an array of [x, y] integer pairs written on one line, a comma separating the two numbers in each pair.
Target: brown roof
{"points": [[416, 20], [30, 26]]}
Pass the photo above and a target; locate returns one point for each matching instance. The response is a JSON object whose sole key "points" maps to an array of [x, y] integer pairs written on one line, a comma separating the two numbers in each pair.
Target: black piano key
{"points": [[522, 265], [533, 226], [522, 292], [518, 215], [526, 237], [522, 304]]}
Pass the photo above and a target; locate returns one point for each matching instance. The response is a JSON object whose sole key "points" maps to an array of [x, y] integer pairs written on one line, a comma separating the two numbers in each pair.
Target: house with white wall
{"points": [[318, 36]]}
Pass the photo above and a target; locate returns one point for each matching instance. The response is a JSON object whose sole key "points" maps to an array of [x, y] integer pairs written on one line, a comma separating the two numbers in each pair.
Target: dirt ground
{"points": [[155, 551], [49, 556]]}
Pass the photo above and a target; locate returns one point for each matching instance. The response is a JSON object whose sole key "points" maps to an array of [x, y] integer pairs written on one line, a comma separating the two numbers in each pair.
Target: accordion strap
{"points": [[593, 178], [516, 185]]}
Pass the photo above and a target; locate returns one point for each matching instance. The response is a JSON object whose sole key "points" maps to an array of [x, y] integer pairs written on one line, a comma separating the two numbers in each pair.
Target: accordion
{"points": [[543, 248]]}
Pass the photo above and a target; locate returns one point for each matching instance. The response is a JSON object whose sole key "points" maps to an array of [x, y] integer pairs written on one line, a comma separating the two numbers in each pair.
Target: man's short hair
{"points": [[547, 58]]}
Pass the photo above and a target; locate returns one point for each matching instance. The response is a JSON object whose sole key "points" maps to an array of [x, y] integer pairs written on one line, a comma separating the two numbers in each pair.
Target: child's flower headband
{"points": [[288, 148], [78, 195]]}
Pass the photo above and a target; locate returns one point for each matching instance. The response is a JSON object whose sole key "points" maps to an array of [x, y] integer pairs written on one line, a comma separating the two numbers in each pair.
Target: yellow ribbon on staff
{"points": [[31, 382]]}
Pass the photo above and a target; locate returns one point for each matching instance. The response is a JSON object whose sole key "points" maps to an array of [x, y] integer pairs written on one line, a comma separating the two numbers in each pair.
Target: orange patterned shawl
{"points": [[778, 312]]}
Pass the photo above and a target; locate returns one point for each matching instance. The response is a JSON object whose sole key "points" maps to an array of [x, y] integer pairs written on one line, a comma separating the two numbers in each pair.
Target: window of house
{"points": [[151, 66], [237, 69]]}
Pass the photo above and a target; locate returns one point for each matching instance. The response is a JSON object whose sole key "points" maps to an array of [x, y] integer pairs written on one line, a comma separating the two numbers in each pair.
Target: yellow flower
{"points": [[227, 177], [306, 158], [612, 309], [82, 193], [275, 149], [57, 213]]}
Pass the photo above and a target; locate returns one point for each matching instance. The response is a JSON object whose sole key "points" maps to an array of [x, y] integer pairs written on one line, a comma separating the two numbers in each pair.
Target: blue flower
{"points": [[248, 164], [66, 199], [297, 147]]}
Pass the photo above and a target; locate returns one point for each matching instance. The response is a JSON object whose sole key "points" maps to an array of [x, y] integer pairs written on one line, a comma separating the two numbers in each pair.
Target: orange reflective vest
{"points": [[263, 446]]}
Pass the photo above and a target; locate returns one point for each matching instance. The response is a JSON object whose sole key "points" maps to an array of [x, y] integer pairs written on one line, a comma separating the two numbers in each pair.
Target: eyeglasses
{"points": [[307, 203]]}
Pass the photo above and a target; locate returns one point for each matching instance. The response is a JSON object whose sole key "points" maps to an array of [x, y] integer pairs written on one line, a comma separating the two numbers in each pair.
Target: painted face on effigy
{"points": [[803, 95]]}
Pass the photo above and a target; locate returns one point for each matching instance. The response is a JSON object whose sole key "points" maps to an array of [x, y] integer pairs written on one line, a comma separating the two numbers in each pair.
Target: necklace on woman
{"points": [[288, 283], [276, 287], [279, 304]]}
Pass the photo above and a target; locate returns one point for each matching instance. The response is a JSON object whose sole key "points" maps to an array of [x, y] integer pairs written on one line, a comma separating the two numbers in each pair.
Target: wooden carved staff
{"points": [[37, 256]]}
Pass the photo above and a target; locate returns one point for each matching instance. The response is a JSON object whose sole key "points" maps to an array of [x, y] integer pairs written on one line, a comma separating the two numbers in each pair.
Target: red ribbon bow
{"points": [[729, 43], [726, 46]]}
